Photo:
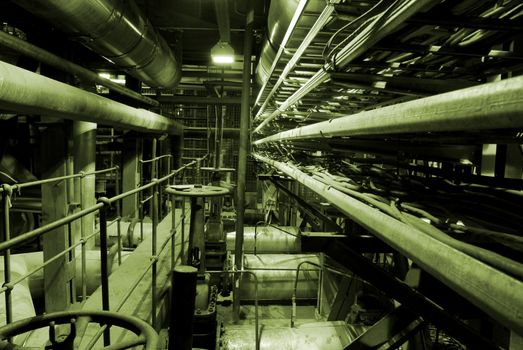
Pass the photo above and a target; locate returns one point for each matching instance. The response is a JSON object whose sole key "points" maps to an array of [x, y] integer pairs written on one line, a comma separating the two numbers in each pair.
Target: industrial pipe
{"points": [[41, 55], [494, 292], [27, 92], [244, 150], [276, 276], [182, 312], [268, 239], [496, 105], [118, 31]]}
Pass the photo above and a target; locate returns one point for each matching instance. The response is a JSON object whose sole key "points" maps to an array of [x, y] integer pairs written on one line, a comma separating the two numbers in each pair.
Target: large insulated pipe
{"points": [[117, 30], [267, 239], [497, 294], [276, 275], [30, 50], [27, 92], [496, 105]]}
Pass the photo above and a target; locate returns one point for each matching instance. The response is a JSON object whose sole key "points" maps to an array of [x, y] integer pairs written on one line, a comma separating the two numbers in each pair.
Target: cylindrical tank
{"points": [[334, 335], [276, 274], [269, 239]]}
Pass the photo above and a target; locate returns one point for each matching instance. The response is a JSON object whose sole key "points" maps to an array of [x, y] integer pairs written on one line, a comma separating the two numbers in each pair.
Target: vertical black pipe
{"points": [[244, 149], [103, 265], [182, 311]]}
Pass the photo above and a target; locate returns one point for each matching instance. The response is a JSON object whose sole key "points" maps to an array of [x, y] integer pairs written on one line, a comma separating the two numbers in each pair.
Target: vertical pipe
{"points": [[6, 201], [103, 265], [242, 157], [182, 312], [154, 215]]}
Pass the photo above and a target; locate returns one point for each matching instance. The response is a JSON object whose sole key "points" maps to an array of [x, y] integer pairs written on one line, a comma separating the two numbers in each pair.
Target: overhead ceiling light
{"points": [[222, 53]]}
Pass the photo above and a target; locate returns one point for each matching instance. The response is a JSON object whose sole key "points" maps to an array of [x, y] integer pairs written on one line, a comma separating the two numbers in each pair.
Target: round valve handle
{"points": [[147, 336], [196, 190]]}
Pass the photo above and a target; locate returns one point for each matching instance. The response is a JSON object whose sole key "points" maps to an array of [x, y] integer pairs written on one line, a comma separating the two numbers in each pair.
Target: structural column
{"points": [[242, 156], [59, 275], [132, 149], [84, 155]]}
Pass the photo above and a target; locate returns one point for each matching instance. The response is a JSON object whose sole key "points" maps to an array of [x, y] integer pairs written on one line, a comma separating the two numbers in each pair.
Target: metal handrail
{"points": [[155, 158], [5, 187], [102, 206]]}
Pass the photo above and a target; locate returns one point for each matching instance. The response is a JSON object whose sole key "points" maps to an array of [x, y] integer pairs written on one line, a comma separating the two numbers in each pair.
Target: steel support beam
{"points": [[494, 292], [27, 92], [497, 105], [244, 151], [202, 100]]}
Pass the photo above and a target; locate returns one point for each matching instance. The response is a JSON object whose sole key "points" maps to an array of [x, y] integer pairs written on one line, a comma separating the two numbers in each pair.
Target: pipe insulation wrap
{"points": [[269, 239], [27, 92], [117, 30], [276, 274], [497, 294]]}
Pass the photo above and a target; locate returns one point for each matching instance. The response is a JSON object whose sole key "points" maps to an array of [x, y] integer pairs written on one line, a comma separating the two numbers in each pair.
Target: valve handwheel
{"points": [[146, 335], [197, 190]]}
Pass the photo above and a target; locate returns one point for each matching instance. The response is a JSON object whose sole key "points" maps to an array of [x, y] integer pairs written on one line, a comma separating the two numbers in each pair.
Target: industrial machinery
{"points": [[255, 174]]}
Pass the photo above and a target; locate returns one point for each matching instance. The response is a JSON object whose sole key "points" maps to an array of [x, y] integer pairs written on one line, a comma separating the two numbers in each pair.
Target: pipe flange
{"points": [[196, 190]]}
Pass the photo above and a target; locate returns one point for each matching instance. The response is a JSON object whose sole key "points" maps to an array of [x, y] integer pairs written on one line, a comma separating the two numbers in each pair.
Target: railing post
{"points": [[84, 242], [103, 263], [173, 225], [118, 215], [154, 213], [6, 204]]}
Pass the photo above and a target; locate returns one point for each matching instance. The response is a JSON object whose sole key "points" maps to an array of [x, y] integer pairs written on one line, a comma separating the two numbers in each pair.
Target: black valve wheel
{"points": [[146, 335]]}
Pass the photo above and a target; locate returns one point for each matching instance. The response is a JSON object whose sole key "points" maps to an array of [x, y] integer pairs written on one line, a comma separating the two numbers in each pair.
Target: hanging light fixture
{"points": [[222, 53]]}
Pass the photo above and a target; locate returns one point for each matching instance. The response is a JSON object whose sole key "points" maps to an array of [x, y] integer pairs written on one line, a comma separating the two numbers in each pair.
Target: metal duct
{"points": [[117, 30], [278, 21], [28, 92]]}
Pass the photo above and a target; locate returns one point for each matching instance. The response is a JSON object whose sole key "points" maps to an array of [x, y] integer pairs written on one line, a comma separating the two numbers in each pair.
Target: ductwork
{"points": [[279, 19], [117, 30]]}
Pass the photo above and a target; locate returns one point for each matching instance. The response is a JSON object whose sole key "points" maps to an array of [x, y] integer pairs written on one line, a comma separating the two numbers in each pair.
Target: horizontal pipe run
{"points": [[27, 92], [496, 105], [41, 55], [496, 293]]}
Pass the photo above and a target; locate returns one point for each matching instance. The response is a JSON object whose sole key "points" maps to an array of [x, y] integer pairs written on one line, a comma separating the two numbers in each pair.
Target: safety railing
{"points": [[102, 206]]}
